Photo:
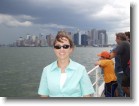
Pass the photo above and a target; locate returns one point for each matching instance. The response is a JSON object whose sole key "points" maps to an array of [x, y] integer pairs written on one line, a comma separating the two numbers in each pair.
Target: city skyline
{"points": [[97, 38], [17, 18]]}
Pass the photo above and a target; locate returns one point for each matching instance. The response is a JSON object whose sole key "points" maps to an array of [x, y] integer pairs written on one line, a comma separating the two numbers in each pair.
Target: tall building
{"points": [[28, 37], [20, 42], [48, 37], [77, 39], [94, 37], [103, 38], [84, 40], [89, 38], [98, 37], [33, 38]]}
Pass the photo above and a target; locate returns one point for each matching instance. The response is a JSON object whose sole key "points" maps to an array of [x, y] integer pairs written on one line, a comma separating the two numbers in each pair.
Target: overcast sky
{"points": [[21, 17]]}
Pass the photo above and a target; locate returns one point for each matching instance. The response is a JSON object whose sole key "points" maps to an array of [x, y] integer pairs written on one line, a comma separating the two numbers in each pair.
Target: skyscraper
{"points": [[48, 37], [103, 38], [84, 40], [94, 37], [77, 39], [98, 37]]}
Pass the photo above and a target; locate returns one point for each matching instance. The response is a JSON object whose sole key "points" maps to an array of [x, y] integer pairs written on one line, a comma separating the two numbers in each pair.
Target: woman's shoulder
{"points": [[51, 66], [76, 64]]}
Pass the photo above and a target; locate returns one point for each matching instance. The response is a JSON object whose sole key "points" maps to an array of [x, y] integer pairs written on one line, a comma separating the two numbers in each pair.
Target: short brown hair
{"points": [[63, 34], [127, 34], [121, 35]]}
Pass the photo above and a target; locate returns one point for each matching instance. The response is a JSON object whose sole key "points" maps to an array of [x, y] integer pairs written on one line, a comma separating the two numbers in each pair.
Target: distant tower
{"points": [[49, 37], [94, 37], [28, 37], [103, 38], [77, 39], [20, 42], [33, 38], [89, 38], [84, 40]]}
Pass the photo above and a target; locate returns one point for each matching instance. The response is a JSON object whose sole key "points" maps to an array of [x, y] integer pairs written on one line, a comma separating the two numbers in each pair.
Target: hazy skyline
{"points": [[21, 17]]}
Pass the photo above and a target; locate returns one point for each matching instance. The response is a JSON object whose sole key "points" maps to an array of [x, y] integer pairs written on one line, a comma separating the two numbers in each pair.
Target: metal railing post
{"points": [[98, 89]]}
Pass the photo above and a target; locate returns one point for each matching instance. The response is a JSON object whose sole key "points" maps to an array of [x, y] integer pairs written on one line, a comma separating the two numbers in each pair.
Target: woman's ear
{"points": [[71, 50]]}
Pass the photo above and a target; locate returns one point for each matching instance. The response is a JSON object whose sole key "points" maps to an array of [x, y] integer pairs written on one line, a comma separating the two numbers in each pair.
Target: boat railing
{"points": [[98, 84]]}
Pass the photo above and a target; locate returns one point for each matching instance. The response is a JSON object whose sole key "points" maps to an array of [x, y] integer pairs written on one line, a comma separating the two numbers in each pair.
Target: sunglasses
{"points": [[59, 47]]}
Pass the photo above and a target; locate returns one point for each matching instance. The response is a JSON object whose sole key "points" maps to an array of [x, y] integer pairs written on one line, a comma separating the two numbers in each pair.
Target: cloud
{"points": [[58, 26], [108, 12], [43, 16], [26, 17], [11, 21], [112, 11]]}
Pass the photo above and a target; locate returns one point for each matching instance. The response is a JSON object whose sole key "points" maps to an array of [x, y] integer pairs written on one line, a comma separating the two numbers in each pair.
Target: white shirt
{"points": [[63, 78]]}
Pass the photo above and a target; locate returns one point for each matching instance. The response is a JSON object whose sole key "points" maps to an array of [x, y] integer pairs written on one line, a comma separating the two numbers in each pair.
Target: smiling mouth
{"points": [[61, 53]]}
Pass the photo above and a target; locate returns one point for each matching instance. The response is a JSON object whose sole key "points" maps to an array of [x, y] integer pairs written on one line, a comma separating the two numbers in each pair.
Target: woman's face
{"points": [[63, 50]]}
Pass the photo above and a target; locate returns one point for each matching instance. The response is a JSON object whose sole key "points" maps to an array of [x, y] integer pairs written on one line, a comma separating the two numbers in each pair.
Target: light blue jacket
{"points": [[77, 83]]}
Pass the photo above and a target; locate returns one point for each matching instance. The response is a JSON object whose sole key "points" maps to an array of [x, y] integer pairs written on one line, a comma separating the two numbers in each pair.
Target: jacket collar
{"points": [[71, 66]]}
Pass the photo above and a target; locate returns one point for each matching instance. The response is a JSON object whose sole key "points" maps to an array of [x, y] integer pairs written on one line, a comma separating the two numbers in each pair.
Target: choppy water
{"points": [[21, 68]]}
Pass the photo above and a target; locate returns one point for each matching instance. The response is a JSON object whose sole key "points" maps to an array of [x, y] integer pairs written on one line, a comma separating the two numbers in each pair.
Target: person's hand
{"points": [[97, 63]]}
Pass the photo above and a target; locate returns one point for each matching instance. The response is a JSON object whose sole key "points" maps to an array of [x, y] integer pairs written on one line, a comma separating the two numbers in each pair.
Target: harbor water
{"points": [[21, 67]]}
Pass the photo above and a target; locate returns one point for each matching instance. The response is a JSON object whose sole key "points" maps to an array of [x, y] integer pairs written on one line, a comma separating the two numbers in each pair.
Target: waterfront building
{"points": [[94, 37], [33, 38], [98, 37], [28, 37], [48, 39], [77, 39], [84, 40], [89, 38], [102, 37], [20, 42]]}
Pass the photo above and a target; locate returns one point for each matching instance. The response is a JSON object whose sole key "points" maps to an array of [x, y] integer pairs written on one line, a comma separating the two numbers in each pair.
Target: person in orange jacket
{"points": [[109, 74]]}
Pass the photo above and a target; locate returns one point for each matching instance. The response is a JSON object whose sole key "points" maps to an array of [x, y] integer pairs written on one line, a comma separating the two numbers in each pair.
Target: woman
{"points": [[64, 77]]}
